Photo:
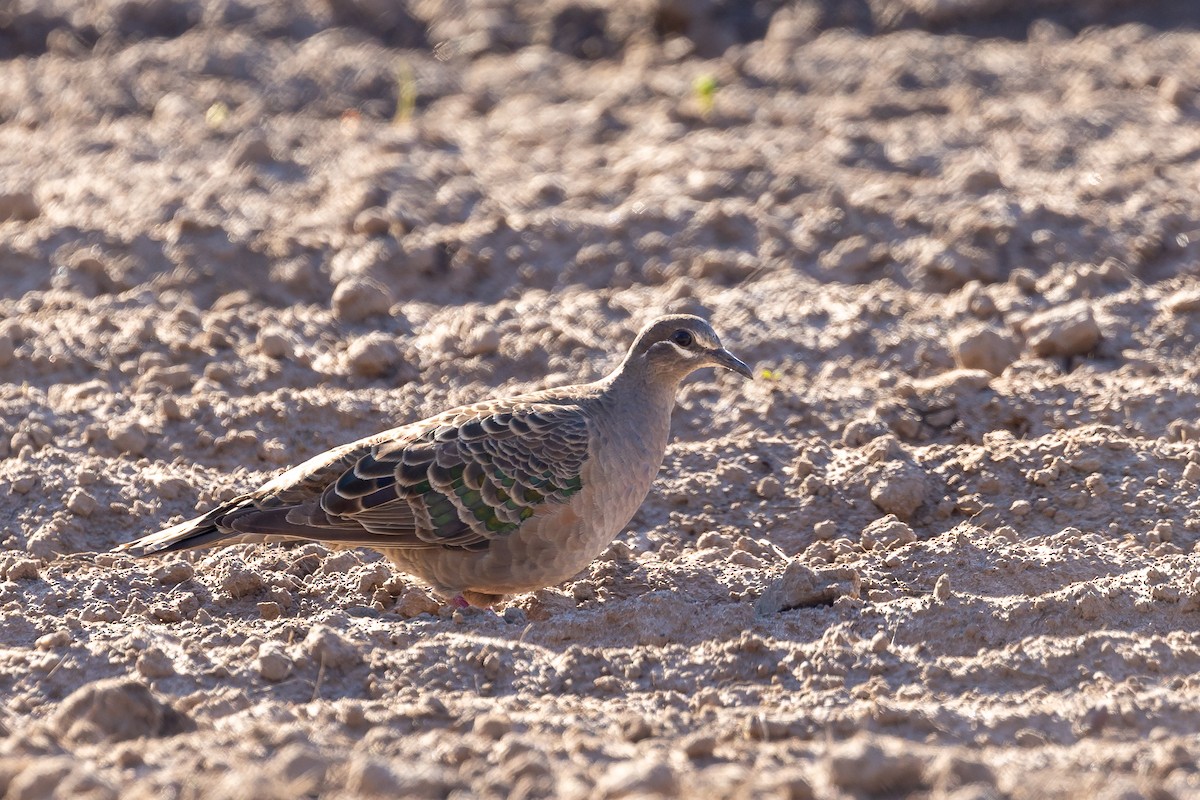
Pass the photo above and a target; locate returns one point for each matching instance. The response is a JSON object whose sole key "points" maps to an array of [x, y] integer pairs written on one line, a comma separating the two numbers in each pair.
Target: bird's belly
{"points": [[548, 549]]}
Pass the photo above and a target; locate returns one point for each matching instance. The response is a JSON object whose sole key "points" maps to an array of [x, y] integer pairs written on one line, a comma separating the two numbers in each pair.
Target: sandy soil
{"points": [[942, 547]]}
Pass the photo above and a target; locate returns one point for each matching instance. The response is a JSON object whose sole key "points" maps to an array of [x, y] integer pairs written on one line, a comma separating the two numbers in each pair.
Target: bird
{"points": [[488, 500]]}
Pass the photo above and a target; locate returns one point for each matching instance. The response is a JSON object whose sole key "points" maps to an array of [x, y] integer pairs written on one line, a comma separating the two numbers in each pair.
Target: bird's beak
{"points": [[729, 361]]}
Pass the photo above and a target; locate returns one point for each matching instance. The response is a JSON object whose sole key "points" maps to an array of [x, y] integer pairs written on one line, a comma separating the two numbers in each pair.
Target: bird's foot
{"points": [[458, 601]]}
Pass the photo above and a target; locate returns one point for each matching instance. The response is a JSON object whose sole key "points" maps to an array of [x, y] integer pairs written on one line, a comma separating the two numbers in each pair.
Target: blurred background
{"points": [[957, 239]]}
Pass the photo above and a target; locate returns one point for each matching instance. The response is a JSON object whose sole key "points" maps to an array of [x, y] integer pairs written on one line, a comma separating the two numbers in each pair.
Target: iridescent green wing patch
{"points": [[464, 483]]}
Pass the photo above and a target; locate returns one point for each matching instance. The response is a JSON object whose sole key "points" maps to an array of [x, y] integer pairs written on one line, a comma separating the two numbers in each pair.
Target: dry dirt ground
{"points": [[942, 546]]}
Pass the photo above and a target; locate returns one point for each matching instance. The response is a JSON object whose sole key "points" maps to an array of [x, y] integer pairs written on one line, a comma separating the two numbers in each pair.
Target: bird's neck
{"points": [[633, 383]]}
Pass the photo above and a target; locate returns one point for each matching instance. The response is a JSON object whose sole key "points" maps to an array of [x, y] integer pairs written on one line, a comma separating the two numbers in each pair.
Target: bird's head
{"points": [[676, 345]]}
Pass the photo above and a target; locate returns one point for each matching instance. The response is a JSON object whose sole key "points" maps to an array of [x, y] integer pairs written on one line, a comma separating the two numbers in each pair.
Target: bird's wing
{"points": [[459, 480]]}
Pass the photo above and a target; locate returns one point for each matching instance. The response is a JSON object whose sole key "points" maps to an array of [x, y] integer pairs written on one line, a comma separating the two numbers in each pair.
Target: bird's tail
{"points": [[205, 530]]}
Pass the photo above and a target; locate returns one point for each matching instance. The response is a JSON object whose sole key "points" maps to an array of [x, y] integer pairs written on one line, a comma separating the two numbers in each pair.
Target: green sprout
{"points": [[705, 89], [406, 94], [216, 115]]}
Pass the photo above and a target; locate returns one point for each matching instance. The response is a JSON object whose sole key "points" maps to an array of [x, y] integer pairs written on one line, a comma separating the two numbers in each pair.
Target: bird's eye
{"points": [[682, 338]]}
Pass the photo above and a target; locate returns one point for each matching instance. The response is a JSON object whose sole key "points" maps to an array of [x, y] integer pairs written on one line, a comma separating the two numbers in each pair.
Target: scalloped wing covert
{"points": [[460, 483]]}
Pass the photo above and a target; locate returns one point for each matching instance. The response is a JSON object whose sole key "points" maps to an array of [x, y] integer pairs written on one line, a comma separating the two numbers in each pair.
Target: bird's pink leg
{"points": [[458, 601]]}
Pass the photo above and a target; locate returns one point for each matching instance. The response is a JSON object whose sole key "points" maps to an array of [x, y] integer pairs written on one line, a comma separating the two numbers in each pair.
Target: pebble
{"points": [[699, 745], [326, 646], [251, 148], [800, 586], [273, 662], [373, 355], [18, 205], [176, 377], [900, 489], [1066, 330], [987, 348], [415, 601], [8, 349], [23, 569], [1191, 472], [849, 257], [481, 341], [274, 343], [242, 583], [1184, 301], [768, 488], [825, 529], [492, 726], [154, 663], [358, 298], [49, 641], [647, 777], [297, 762], [886, 533], [941, 590], [128, 437], [81, 504], [112, 710], [270, 610], [372, 221], [862, 766]]}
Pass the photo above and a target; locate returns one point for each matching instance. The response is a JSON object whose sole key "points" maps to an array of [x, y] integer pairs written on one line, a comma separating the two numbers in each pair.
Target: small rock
{"points": [[791, 783], [1184, 301], [801, 586], [273, 662], [154, 663], [699, 745], [1066, 330], [950, 771], [8, 349], [368, 777], [373, 578], [1173, 91], [886, 533], [176, 377], [492, 726], [372, 221], [863, 766], [1191, 472], [112, 710], [373, 355], [415, 601], [81, 504], [251, 148], [23, 569], [941, 590], [825, 529], [242, 583], [639, 778], [325, 645], [849, 258], [274, 343], [357, 298], [128, 437], [49, 641], [300, 763], [41, 778], [481, 341], [18, 205], [372, 778], [270, 610], [768, 488], [899, 489], [174, 572], [985, 348]]}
